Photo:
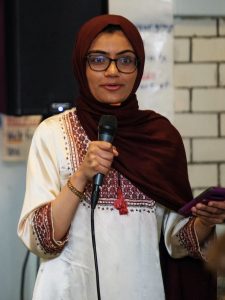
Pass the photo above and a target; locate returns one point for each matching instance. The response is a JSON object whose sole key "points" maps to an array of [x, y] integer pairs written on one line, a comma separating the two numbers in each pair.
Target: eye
{"points": [[126, 60], [97, 59]]}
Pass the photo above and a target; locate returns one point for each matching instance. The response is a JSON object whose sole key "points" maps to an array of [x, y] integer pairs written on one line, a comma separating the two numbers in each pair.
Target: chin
{"points": [[111, 101]]}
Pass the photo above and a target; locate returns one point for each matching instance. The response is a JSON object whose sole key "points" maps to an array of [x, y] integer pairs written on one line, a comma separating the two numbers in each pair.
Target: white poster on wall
{"points": [[17, 134], [154, 19]]}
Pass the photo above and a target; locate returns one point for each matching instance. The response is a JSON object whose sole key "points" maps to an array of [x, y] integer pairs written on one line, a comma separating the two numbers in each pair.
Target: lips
{"points": [[111, 86]]}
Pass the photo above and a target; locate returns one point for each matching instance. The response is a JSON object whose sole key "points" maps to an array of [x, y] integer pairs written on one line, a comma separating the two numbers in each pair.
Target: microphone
{"points": [[106, 132]]}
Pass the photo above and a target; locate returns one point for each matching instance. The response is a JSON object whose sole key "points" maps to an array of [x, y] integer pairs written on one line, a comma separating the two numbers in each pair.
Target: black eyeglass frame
{"points": [[110, 61]]}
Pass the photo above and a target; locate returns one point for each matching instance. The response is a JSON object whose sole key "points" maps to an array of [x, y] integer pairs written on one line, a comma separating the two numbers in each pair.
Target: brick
{"points": [[203, 175], [198, 191], [208, 49], [196, 125], [222, 175], [195, 75], [182, 100], [222, 74], [197, 27], [187, 146], [208, 100], [209, 150], [222, 26], [222, 125], [181, 50]]}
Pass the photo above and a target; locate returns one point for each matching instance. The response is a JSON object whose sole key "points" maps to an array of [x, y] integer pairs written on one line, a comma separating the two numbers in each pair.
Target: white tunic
{"points": [[127, 245]]}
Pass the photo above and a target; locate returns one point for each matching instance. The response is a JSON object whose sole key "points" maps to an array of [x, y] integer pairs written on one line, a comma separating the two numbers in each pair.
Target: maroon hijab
{"points": [[151, 156], [151, 152]]}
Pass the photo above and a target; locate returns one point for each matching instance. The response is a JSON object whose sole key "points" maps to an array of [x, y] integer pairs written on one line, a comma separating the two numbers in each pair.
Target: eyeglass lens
{"points": [[124, 64]]}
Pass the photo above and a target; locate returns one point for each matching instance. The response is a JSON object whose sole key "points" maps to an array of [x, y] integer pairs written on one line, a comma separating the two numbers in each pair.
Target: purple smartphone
{"points": [[212, 193]]}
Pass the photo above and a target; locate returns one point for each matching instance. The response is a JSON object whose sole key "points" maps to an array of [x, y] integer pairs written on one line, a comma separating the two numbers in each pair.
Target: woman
{"points": [[145, 181]]}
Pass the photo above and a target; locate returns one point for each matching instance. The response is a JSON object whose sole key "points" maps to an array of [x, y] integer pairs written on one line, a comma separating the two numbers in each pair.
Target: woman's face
{"points": [[111, 86]]}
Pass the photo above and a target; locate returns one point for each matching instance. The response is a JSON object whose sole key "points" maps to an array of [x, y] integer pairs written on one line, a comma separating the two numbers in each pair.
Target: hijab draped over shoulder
{"points": [[151, 152], [151, 155]]}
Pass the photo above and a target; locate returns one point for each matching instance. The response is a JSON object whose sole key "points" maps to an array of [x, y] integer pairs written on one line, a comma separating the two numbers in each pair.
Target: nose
{"points": [[112, 69]]}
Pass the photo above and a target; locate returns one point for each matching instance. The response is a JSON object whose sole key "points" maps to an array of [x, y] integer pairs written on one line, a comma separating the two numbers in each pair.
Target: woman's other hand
{"points": [[210, 214]]}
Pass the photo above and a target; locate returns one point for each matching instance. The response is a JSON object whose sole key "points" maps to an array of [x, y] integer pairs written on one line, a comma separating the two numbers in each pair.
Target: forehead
{"points": [[111, 42]]}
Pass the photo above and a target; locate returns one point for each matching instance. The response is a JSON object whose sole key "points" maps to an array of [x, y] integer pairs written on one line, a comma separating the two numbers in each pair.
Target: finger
{"points": [[217, 204], [95, 151], [103, 145], [115, 152], [99, 164], [104, 155], [209, 208], [201, 213], [109, 148], [213, 219], [105, 150], [206, 211]]}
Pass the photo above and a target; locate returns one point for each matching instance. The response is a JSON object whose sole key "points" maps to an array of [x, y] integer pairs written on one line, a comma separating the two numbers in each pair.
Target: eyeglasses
{"points": [[125, 64]]}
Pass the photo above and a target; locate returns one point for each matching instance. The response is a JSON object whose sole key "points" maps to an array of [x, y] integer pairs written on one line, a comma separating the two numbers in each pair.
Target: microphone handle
{"points": [[98, 178]]}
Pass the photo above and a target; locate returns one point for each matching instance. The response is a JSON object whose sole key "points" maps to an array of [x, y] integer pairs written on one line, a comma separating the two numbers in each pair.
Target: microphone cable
{"points": [[106, 131], [95, 253], [23, 273]]}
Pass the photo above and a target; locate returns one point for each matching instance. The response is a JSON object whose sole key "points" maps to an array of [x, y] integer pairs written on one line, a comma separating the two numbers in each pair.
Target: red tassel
{"points": [[120, 202]]}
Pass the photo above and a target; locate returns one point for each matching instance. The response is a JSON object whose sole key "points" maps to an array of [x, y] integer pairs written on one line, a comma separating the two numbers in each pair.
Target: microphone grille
{"points": [[108, 122]]}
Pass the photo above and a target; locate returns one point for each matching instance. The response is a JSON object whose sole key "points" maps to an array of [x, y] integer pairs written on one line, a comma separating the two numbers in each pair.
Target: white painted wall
{"points": [[12, 251]]}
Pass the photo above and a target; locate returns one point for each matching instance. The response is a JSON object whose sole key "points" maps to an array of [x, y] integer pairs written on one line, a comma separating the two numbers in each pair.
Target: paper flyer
{"points": [[17, 134]]}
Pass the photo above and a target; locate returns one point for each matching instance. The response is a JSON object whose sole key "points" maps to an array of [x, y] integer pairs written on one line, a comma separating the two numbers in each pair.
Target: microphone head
{"points": [[107, 128]]}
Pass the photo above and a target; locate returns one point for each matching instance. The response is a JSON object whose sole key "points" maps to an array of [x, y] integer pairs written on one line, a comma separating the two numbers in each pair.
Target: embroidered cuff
{"points": [[42, 224], [188, 239]]}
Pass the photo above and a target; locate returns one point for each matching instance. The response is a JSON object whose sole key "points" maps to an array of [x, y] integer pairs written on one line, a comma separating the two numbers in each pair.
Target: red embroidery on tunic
{"points": [[187, 238], [42, 226], [76, 143]]}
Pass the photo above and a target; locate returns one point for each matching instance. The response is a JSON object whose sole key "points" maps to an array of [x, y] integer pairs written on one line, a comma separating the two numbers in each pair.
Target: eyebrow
{"points": [[104, 52]]}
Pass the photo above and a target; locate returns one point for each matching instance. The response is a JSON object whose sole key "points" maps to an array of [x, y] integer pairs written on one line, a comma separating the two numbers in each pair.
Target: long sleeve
{"points": [[180, 236], [42, 237], [42, 183]]}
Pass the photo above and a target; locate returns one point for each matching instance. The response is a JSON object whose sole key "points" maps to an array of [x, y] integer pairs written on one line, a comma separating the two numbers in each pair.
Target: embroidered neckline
{"points": [[119, 193]]}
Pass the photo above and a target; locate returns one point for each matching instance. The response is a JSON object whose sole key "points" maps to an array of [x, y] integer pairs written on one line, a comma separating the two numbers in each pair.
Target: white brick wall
{"points": [[222, 125], [222, 74], [194, 27], [222, 174], [208, 49], [222, 26], [208, 100], [203, 175], [187, 146], [209, 150], [182, 100], [196, 125], [199, 80], [181, 50], [195, 75]]}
